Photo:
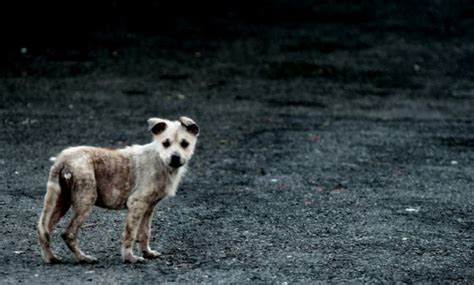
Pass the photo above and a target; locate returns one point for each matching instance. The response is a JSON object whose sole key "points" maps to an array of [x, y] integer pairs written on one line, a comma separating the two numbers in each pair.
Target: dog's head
{"points": [[175, 140]]}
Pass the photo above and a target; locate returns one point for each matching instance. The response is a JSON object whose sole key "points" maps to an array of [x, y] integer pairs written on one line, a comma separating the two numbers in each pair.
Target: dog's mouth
{"points": [[175, 164]]}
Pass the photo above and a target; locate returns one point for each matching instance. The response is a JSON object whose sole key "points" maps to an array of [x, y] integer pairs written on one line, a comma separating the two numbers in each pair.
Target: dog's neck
{"points": [[173, 174]]}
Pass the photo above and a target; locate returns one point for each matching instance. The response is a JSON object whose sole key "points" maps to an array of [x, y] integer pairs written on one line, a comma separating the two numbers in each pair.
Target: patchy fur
{"points": [[135, 178]]}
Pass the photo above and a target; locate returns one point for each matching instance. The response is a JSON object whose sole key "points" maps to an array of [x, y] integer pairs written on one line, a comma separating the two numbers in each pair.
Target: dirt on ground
{"points": [[336, 147]]}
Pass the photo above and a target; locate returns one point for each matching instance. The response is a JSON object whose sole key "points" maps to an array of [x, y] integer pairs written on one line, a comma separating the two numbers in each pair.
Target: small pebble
{"points": [[412, 210], [454, 162]]}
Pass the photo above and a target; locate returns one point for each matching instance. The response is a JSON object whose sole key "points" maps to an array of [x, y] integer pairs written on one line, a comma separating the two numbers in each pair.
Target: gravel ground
{"points": [[334, 149]]}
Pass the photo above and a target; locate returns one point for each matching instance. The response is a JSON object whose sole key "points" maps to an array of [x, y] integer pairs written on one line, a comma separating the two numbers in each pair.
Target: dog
{"points": [[135, 178]]}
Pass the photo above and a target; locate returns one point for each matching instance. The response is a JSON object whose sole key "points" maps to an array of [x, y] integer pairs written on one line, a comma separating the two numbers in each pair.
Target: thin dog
{"points": [[135, 178]]}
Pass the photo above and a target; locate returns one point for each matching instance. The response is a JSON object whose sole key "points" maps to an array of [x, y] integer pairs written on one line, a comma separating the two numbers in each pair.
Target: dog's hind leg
{"points": [[84, 195], [56, 203]]}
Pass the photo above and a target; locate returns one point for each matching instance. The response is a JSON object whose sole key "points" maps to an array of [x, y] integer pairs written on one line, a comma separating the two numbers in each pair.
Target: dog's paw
{"points": [[87, 259], [150, 254], [133, 259], [54, 259]]}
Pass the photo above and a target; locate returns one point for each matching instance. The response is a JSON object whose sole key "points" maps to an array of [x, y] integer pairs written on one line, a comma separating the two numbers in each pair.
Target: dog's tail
{"points": [[56, 203]]}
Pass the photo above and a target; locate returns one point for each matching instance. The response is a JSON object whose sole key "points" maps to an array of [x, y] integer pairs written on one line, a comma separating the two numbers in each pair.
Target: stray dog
{"points": [[135, 178]]}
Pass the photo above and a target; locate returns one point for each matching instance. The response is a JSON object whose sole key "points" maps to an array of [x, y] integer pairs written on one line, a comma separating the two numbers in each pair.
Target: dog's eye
{"points": [[166, 143], [184, 144]]}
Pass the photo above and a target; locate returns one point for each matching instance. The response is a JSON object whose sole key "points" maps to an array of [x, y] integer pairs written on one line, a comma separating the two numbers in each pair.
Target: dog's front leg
{"points": [[144, 235], [135, 214]]}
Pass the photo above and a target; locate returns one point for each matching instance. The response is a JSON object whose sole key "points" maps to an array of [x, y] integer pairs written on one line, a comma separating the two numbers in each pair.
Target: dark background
{"points": [[336, 145], [72, 30]]}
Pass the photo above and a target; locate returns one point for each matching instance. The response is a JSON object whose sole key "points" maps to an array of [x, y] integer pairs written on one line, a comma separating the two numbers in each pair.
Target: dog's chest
{"points": [[164, 183]]}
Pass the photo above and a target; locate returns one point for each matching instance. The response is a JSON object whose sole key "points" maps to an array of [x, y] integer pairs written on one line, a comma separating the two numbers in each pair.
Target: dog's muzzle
{"points": [[175, 161]]}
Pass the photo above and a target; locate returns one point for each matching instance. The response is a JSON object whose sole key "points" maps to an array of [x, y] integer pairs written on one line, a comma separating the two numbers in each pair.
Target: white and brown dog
{"points": [[135, 178]]}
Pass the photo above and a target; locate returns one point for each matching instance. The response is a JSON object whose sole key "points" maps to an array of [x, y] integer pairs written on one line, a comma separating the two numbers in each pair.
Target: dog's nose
{"points": [[175, 161]]}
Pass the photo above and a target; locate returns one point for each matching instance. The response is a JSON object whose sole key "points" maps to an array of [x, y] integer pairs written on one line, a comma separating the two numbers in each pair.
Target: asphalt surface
{"points": [[333, 149]]}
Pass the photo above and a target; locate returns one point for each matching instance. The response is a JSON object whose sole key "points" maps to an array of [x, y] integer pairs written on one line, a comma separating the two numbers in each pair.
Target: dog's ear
{"points": [[190, 125], [156, 126]]}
